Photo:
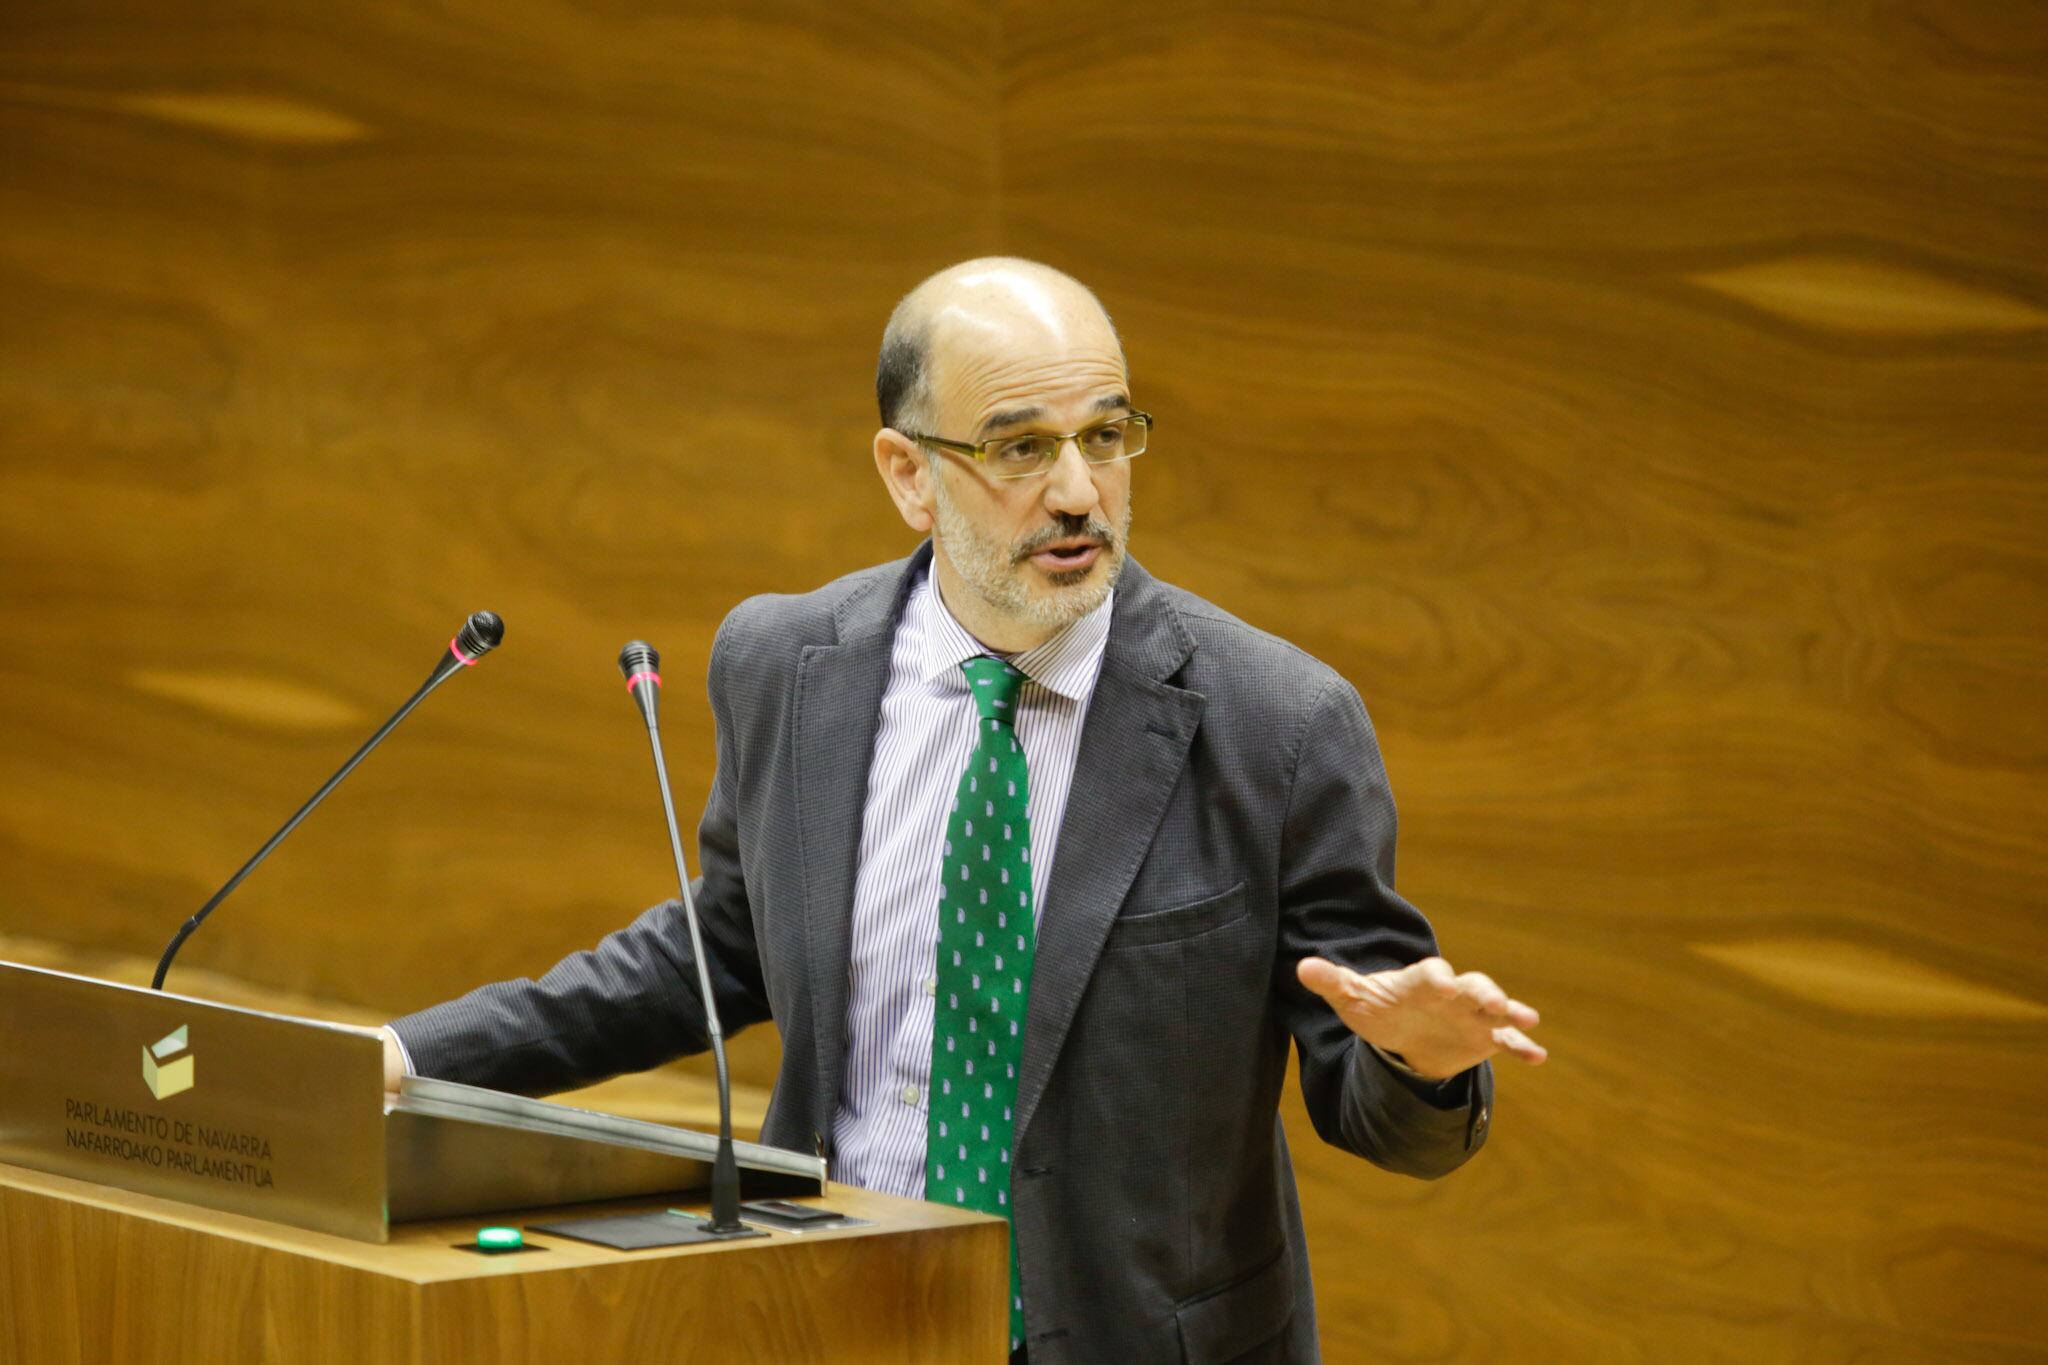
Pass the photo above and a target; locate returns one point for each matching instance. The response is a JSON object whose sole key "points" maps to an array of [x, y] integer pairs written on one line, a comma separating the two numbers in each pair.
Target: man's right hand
{"points": [[394, 1064]]}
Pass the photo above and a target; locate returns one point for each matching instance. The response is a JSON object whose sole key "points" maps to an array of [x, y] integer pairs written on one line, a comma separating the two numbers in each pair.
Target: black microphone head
{"points": [[638, 658], [480, 634]]}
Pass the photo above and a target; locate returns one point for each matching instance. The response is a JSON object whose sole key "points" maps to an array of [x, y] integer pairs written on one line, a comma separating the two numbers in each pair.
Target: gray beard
{"points": [[994, 572]]}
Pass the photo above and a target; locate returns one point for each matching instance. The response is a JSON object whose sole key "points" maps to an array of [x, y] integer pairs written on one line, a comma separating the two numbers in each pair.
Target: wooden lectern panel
{"points": [[90, 1274]]}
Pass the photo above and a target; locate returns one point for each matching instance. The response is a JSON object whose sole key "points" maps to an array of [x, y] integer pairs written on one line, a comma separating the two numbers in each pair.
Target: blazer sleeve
{"points": [[1337, 900], [630, 1003]]}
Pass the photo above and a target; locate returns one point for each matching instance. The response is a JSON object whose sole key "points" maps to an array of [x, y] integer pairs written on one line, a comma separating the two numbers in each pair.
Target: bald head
{"points": [[979, 353], [967, 317]]}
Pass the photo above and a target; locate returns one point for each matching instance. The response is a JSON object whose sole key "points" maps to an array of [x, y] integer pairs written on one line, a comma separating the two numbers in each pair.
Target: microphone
{"points": [[642, 667], [479, 635]]}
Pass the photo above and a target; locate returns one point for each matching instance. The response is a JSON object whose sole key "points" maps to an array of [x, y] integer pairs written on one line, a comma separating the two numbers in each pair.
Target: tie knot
{"points": [[995, 686]]}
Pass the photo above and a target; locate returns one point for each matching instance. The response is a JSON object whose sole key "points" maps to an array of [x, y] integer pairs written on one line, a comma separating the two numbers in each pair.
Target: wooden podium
{"points": [[91, 1274], [187, 1181]]}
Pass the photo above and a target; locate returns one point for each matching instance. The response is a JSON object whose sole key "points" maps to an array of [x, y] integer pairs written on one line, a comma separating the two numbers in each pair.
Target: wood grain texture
{"points": [[574, 323], [1643, 405], [84, 1283], [146, 1279]]}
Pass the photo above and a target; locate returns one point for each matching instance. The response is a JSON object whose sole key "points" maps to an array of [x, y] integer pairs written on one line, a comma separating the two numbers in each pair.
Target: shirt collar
{"points": [[1067, 664]]}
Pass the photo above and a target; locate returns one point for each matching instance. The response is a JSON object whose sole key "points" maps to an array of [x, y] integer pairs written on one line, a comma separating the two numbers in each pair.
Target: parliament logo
{"points": [[164, 1070]]}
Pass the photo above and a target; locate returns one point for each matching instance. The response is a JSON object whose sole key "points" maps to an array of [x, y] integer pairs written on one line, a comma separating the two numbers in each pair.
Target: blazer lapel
{"points": [[1133, 747], [838, 707]]}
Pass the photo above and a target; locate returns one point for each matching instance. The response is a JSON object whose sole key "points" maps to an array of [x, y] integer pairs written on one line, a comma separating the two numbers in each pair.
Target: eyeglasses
{"points": [[1032, 453]]}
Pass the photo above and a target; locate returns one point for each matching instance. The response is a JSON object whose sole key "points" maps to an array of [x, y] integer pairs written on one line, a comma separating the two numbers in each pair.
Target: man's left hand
{"points": [[1437, 1021]]}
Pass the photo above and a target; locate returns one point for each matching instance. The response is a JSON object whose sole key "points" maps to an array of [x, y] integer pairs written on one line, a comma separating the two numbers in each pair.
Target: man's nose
{"points": [[1070, 483]]}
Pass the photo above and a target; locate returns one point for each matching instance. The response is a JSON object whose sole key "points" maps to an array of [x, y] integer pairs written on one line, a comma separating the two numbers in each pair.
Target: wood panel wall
{"points": [[1644, 405], [328, 327]]}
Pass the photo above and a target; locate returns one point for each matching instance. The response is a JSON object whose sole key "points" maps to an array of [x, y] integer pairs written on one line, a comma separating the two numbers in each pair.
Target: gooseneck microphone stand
{"points": [[479, 635], [642, 667]]}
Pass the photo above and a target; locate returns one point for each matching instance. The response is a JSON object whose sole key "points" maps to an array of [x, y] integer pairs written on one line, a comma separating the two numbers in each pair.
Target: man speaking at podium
{"points": [[1038, 863]]}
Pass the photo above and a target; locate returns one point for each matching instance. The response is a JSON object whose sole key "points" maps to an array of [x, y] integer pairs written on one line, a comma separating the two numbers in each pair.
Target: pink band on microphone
{"points": [[456, 650], [635, 679]]}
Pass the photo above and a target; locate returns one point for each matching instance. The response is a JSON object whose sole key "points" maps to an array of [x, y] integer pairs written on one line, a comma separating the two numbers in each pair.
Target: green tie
{"points": [[984, 975]]}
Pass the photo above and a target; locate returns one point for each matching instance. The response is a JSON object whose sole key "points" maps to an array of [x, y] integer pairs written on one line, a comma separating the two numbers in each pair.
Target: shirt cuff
{"points": [[1392, 1059], [1447, 1092]]}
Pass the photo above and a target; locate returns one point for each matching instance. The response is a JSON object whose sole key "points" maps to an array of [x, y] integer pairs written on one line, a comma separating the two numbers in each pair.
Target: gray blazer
{"points": [[1229, 816]]}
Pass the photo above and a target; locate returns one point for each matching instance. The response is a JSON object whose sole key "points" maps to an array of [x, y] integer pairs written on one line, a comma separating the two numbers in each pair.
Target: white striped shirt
{"points": [[928, 727]]}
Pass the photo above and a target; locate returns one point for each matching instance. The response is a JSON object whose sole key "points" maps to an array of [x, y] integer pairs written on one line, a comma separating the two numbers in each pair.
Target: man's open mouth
{"points": [[1066, 555]]}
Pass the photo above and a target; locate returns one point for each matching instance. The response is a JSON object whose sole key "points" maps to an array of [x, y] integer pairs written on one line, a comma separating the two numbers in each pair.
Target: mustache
{"points": [[1068, 526]]}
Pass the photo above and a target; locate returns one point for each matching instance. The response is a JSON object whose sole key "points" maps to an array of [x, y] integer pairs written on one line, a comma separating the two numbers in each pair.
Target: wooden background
{"points": [[1644, 405]]}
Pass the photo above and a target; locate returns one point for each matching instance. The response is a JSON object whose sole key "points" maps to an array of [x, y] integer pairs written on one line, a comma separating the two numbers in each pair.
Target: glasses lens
{"points": [[1013, 457], [1105, 442], [1017, 457]]}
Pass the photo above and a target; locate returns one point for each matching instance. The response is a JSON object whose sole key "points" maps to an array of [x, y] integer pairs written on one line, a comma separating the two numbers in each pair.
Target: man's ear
{"points": [[907, 475]]}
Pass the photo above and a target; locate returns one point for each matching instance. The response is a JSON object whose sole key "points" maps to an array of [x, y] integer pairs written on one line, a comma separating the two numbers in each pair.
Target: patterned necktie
{"points": [[984, 967]]}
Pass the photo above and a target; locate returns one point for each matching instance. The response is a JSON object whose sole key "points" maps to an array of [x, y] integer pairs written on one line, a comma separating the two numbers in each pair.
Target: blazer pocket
{"points": [[1181, 922], [1248, 1312]]}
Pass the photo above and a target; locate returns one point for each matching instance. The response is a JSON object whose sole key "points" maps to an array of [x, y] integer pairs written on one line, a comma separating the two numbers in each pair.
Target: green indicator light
{"points": [[499, 1239]]}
